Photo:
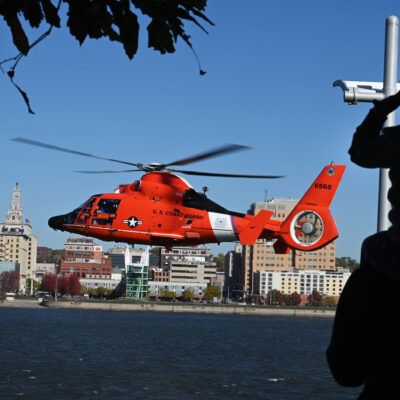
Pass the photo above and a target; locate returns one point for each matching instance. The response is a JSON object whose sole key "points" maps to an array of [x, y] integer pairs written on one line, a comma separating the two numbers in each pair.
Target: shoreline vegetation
{"points": [[129, 305]]}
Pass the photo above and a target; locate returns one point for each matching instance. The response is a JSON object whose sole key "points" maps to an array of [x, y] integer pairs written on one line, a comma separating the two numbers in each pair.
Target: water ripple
{"points": [[96, 355]]}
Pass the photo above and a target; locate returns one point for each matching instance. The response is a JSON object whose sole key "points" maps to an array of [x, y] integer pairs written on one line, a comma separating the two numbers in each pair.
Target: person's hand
{"points": [[387, 105]]}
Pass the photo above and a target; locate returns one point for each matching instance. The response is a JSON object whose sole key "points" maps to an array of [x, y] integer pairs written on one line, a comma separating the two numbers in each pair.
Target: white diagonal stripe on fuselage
{"points": [[221, 225]]}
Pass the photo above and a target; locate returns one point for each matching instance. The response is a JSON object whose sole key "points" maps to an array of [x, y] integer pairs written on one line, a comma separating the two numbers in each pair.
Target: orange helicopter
{"points": [[163, 209]]}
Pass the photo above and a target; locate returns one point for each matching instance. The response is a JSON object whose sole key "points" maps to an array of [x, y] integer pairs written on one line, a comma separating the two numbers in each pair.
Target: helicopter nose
{"points": [[56, 222]]}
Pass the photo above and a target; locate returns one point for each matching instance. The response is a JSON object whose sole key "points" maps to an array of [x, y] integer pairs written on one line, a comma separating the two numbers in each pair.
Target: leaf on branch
{"points": [[77, 21], [160, 37], [50, 13], [25, 97], [129, 33], [32, 13], [19, 38]]}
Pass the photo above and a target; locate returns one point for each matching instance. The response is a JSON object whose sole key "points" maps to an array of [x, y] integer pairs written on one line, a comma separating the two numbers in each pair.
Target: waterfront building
{"points": [[304, 282], [17, 242], [262, 257], [160, 274], [189, 264], [201, 254], [157, 289], [117, 255], [43, 269], [85, 259], [234, 272], [44, 254], [137, 276], [110, 284]]}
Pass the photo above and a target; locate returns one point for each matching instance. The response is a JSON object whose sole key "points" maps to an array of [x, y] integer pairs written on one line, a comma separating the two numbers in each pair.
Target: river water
{"points": [[78, 354]]}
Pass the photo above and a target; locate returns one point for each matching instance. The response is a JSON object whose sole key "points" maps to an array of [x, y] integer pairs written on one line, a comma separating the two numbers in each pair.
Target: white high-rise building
{"points": [[17, 242]]}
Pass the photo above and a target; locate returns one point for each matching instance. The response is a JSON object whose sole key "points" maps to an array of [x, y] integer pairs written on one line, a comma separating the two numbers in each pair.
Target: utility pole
{"points": [[355, 91]]}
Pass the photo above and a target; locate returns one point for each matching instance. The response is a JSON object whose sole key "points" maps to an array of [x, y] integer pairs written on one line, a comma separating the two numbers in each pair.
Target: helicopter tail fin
{"points": [[310, 225]]}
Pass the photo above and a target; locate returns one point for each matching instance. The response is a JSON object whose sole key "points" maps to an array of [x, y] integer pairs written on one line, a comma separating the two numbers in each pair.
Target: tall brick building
{"points": [[84, 258], [262, 257]]}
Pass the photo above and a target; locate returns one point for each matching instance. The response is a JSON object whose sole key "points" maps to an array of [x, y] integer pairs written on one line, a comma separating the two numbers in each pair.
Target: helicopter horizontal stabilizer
{"points": [[250, 233]]}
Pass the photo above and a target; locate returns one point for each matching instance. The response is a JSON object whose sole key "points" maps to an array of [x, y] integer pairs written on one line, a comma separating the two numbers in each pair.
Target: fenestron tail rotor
{"points": [[152, 167], [308, 228]]}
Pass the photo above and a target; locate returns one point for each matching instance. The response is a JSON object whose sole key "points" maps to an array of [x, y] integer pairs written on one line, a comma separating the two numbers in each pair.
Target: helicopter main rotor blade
{"points": [[228, 175], [229, 148], [79, 153], [108, 172]]}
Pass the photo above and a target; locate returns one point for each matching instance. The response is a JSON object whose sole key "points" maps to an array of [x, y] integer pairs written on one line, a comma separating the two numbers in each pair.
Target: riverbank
{"points": [[172, 307], [191, 308]]}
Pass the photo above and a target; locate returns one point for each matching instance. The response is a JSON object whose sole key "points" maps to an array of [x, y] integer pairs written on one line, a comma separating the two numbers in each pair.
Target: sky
{"points": [[270, 69]]}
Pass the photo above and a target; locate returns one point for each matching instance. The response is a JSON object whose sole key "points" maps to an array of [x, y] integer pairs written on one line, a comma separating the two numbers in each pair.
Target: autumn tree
{"points": [[211, 292], [330, 301], [168, 294], [315, 298], [49, 283], [115, 20], [294, 299], [188, 295], [9, 281], [62, 285], [74, 285], [275, 297]]}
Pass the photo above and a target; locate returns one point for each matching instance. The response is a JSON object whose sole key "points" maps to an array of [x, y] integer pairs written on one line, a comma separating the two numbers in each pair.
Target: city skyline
{"points": [[268, 85]]}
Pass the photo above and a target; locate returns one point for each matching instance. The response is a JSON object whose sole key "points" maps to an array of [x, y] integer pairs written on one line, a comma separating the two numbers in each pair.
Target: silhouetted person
{"points": [[365, 344]]}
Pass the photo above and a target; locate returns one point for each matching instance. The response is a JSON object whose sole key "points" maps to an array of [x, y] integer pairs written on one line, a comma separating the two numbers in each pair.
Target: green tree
{"points": [[347, 262], [101, 292], [83, 290], [115, 20], [220, 261], [188, 295], [36, 285], [211, 292]]}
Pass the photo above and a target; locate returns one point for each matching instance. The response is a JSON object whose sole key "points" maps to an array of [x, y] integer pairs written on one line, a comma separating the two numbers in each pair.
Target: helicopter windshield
{"points": [[80, 207]]}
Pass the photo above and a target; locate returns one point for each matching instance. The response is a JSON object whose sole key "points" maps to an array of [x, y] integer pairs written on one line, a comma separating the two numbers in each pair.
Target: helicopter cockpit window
{"points": [[80, 207], [105, 212], [85, 211], [108, 206]]}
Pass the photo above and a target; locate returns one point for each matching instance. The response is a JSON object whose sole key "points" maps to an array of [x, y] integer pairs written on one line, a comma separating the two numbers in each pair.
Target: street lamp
{"points": [[355, 91]]}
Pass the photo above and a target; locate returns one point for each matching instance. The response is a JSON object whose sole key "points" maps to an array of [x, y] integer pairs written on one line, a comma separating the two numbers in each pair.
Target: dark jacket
{"points": [[365, 344]]}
